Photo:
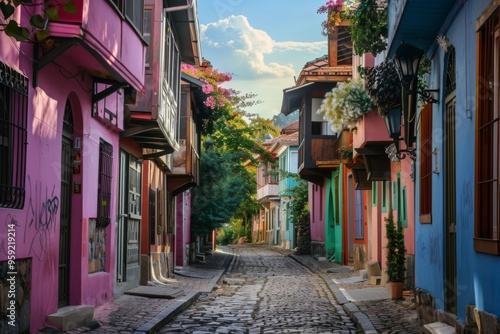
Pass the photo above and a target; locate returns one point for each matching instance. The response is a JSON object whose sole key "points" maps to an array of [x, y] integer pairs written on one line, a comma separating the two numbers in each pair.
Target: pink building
{"points": [[61, 113]]}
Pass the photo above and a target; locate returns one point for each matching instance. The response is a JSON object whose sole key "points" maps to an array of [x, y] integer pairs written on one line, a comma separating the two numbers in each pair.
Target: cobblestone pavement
{"points": [[385, 315], [264, 291]]}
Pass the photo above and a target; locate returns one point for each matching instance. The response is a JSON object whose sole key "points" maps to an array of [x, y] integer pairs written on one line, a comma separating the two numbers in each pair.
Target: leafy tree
{"points": [[36, 30], [298, 196], [233, 150]]}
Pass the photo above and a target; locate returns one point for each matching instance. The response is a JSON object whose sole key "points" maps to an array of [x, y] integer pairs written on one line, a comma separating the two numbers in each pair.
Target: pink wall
{"points": [[316, 211], [38, 222]]}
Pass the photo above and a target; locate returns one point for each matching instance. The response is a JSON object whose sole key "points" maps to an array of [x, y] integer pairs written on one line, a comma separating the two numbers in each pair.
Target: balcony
{"points": [[112, 50], [369, 141], [186, 160], [154, 118], [268, 192]]}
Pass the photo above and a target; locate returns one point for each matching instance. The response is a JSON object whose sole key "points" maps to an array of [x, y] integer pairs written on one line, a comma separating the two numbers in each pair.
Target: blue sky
{"points": [[262, 44]]}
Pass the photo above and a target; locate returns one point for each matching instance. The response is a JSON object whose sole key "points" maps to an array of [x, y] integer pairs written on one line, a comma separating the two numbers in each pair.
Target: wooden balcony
{"points": [[110, 49]]}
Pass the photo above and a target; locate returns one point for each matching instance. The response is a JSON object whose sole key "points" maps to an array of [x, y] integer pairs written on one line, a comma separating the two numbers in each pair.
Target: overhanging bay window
{"points": [[133, 11], [487, 220], [170, 83], [13, 137]]}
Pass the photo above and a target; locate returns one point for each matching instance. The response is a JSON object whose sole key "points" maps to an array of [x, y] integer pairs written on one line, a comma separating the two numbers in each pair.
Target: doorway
{"points": [[450, 279], [66, 198]]}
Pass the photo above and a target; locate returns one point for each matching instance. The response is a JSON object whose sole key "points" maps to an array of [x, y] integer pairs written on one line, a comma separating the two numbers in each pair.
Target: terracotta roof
{"points": [[290, 128]]}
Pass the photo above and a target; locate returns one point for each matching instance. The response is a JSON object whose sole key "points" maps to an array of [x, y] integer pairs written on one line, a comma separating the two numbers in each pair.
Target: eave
{"points": [[419, 22]]}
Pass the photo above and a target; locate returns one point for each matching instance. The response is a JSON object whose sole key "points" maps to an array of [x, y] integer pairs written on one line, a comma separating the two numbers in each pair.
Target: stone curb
{"points": [[350, 308], [162, 318], [182, 303]]}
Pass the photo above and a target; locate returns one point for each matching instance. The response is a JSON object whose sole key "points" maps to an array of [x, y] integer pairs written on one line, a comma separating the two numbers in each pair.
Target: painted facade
{"points": [[286, 149], [60, 201], [456, 243]]}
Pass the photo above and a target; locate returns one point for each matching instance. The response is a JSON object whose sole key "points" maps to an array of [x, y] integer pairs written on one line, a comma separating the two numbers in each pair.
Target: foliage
{"points": [[221, 191], [232, 138], [383, 85], [226, 235], [345, 151], [345, 104], [368, 22], [231, 232], [396, 250], [36, 30], [297, 195]]}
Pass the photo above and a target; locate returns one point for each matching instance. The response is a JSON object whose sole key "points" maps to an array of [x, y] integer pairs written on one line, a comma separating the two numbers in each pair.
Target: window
{"points": [[134, 189], [359, 215], [104, 184], [425, 154], [146, 33], [487, 238], [170, 82], [13, 137], [132, 10], [403, 216], [384, 196]]}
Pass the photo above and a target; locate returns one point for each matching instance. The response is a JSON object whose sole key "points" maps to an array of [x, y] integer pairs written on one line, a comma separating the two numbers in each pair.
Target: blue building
{"points": [[457, 146]]}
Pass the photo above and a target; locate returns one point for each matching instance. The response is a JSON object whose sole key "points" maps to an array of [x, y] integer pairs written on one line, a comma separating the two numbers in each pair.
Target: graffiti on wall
{"points": [[41, 215], [15, 296], [97, 247]]}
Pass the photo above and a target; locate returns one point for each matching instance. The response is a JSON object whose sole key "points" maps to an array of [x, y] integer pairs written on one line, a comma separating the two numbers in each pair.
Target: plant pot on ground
{"points": [[396, 259]]}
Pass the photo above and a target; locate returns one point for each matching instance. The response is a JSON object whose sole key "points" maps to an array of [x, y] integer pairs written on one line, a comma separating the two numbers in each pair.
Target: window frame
{"points": [[122, 7], [487, 169], [105, 179], [14, 137]]}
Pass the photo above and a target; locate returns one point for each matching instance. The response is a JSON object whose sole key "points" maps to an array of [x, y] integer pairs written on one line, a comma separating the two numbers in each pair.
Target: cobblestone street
{"points": [[265, 292]]}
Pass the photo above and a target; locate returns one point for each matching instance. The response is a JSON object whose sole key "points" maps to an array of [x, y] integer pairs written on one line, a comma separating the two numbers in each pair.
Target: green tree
{"points": [[233, 141]]}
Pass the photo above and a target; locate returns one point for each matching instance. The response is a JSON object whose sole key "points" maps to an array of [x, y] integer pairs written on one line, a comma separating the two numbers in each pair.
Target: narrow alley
{"points": [[265, 291]]}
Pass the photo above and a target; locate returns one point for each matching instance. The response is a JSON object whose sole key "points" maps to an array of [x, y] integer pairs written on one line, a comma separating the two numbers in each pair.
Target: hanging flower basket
{"points": [[345, 104]]}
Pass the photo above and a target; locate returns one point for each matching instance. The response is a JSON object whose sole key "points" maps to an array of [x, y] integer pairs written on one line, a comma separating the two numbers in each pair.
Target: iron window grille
{"points": [[104, 184], [13, 137]]}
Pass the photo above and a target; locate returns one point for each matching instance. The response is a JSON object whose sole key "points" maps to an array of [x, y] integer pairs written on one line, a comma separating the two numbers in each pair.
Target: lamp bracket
{"points": [[427, 95]]}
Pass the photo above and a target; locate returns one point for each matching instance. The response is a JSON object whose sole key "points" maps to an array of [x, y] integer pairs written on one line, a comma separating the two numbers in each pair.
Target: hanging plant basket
{"points": [[345, 104]]}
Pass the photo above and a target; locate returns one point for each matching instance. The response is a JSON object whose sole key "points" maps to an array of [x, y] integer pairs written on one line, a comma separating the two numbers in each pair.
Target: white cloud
{"points": [[245, 48]]}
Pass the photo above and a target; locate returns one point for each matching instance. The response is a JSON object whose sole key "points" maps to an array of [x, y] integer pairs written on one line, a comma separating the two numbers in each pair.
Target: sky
{"points": [[263, 44]]}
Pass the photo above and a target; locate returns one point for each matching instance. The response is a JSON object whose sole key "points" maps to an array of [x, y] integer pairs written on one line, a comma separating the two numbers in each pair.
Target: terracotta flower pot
{"points": [[396, 290]]}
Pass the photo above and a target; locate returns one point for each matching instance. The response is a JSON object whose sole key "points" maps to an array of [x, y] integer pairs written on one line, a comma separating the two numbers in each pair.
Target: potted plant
{"points": [[345, 104], [396, 259], [383, 85], [345, 153]]}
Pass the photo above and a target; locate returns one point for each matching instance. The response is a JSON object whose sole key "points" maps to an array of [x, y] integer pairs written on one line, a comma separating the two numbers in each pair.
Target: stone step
{"points": [[439, 328], [69, 317]]}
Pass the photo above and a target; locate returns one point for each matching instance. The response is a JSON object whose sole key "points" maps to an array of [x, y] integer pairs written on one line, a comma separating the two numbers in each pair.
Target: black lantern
{"points": [[393, 123], [407, 59]]}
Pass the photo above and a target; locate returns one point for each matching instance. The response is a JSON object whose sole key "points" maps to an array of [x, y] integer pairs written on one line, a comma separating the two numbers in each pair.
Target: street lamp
{"points": [[393, 122], [407, 59]]}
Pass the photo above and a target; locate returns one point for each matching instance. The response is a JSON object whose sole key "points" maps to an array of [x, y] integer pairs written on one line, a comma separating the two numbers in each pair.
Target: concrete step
{"points": [[70, 317], [439, 328]]}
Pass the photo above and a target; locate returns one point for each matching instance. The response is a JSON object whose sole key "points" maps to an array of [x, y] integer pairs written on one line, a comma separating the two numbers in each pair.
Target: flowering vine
{"points": [[217, 96], [367, 22]]}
